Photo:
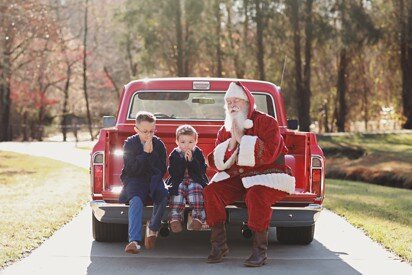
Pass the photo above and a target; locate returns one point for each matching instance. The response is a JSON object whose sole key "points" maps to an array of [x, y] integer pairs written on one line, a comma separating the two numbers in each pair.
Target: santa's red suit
{"points": [[250, 171]]}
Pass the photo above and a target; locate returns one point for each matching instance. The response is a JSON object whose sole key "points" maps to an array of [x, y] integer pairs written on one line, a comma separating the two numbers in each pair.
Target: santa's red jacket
{"points": [[254, 160]]}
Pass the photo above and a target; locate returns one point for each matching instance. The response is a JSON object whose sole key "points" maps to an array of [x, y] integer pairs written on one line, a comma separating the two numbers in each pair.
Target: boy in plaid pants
{"points": [[187, 170]]}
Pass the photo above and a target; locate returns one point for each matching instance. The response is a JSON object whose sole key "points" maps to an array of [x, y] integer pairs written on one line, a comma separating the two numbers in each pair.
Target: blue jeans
{"points": [[136, 215]]}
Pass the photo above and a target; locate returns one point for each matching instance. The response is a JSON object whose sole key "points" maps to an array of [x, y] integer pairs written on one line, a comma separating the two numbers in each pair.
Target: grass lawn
{"points": [[387, 158], [38, 196], [383, 213]]}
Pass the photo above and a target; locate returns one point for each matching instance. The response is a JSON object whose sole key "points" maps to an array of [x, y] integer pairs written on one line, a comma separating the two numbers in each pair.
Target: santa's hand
{"points": [[237, 133], [232, 144]]}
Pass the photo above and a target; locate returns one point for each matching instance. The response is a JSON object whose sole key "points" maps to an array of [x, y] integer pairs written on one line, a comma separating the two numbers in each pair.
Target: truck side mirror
{"points": [[109, 121], [293, 124]]}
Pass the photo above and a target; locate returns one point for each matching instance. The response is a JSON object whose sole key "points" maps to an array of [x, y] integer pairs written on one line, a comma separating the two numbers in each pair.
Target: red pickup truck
{"points": [[199, 102]]}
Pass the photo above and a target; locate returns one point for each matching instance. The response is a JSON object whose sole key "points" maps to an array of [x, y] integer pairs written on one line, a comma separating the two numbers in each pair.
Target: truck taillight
{"points": [[97, 179], [97, 172], [317, 175], [317, 181]]}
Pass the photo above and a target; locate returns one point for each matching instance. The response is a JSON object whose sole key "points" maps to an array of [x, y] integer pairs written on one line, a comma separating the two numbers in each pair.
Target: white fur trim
{"points": [[219, 176], [235, 90], [219, 156], [247, 124], [282, 182], [247, 151]]}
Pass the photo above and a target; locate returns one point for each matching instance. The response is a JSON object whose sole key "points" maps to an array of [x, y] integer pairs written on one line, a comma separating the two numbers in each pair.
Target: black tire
{"points": [[108, 232], [295, 235]]}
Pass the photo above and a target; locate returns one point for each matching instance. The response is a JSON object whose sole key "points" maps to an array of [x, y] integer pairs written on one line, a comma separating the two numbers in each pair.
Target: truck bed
{"points": [[296, 158]]}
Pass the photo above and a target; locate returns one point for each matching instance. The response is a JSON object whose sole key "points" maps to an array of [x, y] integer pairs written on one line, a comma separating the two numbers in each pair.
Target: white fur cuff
{"points": [[219, 177], [247, 151], [219, 156], [282, 182]]}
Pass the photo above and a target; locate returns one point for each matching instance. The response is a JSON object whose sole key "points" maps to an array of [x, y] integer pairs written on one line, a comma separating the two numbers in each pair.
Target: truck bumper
{"points": [[281, 216]]}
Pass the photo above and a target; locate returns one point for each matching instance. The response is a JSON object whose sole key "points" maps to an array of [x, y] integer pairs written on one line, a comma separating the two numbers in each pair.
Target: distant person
{"points": [[187, 169], [249, 158], [142, 176]]}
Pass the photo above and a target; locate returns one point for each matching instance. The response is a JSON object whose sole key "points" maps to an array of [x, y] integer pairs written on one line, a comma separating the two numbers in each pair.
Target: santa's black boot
{"points": [[260, 247], [219, 246]]}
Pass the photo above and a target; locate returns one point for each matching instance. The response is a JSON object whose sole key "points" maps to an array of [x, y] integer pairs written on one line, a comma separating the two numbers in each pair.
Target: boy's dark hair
{"points": [[145, 116], [185, 130]]}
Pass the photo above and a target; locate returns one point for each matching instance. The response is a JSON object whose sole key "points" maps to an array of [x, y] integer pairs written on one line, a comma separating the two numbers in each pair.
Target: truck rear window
{"points": [[190, 105]]}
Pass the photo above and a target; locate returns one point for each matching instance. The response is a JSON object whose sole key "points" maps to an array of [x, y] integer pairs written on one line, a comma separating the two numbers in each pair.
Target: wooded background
{"points": [[344, 63]]}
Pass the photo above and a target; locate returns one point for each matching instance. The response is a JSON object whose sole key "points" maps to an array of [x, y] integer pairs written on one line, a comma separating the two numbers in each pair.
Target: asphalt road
{"points": [[338, 248]]}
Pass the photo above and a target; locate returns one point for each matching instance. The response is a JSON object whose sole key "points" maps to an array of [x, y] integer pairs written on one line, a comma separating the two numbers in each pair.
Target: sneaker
{"points": [[133, 248], [196, 225], [150, 238], [176, 226]]}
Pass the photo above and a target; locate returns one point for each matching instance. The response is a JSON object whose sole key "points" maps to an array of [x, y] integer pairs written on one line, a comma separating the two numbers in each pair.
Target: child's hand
{"points": [[148, 146], [189, 155]]}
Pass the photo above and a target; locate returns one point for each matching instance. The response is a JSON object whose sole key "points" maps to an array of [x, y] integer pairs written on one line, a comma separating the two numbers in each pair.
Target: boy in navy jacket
{"points": [[144, 157], [187, 170]]}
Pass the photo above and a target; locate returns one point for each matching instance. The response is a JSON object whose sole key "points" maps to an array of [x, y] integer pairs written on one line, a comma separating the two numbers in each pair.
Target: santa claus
{"points": [[248, 157]]}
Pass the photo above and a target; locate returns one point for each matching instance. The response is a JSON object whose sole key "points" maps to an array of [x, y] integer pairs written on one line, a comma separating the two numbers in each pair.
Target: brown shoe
{"points": [[150, 238], [219, 246], [196, 225], [260, 246], [133, 248], [176, 226]]}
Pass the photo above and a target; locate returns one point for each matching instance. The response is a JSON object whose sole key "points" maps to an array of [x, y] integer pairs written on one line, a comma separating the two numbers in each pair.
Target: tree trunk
{"points": [[25, 127], [298, 61], [132, 65], [64, 124], [218, 31], [366, 92], [246, 24], [86, 96], [366, 106], [342, 108], [5, 112], [260, 53], [42, 90], [186, 49], [65, 109], [179, 37], [239, 67], [408, 91], [5, 92], [33, 130], [326, 116], [40, 118], [115, 87], [406, 60], [304, 114]]}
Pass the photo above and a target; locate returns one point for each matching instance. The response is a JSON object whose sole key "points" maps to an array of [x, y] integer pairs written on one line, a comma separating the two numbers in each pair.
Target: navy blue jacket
{"points": [[177, 166], [142, 173]]}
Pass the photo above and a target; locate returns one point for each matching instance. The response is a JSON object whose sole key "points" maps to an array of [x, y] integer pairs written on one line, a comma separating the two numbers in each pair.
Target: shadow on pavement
{"points": [[185, 253]]}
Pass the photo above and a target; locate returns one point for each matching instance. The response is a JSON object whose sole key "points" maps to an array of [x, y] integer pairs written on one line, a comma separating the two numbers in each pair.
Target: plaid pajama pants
{"points": [[192, 194]]}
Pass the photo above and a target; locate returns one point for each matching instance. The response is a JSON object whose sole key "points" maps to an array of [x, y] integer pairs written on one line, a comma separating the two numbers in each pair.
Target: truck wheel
{"points": [[108, 232], [295, 235]]}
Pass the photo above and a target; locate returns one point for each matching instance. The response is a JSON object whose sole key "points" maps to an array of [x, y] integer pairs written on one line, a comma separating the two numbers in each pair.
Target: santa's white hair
{"points": [[238, 117]]}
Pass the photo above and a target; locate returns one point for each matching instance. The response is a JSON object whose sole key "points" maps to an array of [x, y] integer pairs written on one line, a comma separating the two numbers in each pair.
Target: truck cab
{"points": [[199, 102]]}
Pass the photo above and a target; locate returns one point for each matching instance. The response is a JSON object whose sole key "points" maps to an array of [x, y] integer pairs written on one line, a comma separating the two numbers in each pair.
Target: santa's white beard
{"points": [[238, 117]]}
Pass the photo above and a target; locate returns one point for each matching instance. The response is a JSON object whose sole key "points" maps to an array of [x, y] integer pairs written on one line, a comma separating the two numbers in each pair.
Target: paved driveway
{"points": [[338, 248]]}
